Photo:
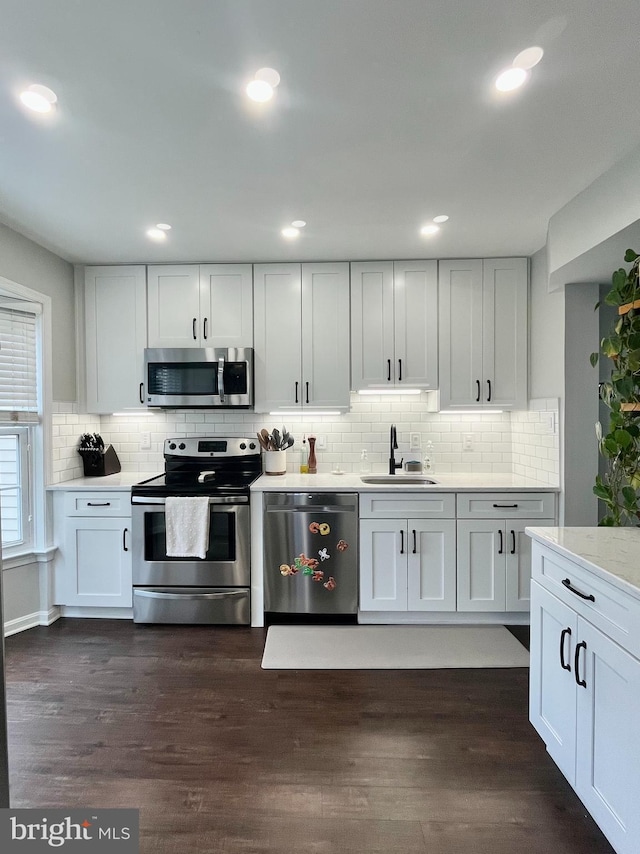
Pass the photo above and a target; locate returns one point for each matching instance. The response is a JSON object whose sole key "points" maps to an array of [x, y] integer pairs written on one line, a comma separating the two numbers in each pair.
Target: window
{"points": [[19, 415]]}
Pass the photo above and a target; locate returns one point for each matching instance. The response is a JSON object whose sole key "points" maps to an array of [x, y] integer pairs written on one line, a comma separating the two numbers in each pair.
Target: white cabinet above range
{"points": [[301, 336], [394, 324], [200, 305]]}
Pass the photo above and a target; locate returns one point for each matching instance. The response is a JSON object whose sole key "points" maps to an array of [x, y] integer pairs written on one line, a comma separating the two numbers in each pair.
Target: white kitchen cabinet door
{"points": [[481, 565], [431, 565], [115, 305], [372, 325], [325, 336], [415, 290], [483, 333], [460, 332], [383, 565], [518, 562], [173, 293], [226, 305], [504, 328], [278, 336], [97, 563], [607, 685], [552, 695]]}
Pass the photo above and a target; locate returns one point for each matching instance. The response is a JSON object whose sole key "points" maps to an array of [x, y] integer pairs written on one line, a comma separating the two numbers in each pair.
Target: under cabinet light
{"points": [[302, 413], [471, 411], [389, 391]]}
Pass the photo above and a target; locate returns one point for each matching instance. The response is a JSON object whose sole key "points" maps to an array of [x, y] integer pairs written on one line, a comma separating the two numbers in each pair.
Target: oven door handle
{"points": [[156, 594], [159, 500]]}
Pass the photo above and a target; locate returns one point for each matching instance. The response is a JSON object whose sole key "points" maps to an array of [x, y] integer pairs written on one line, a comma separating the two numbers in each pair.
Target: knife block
{"points": [[98, 464]]}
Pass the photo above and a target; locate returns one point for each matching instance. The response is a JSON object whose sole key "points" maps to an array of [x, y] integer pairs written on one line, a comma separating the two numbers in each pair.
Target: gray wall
{"points": [[27, 263], [546, 333]]}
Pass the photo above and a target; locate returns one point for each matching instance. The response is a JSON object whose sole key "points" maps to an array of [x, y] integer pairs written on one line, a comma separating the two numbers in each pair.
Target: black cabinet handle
{"points": [[141, 392], [489, 396], [124, 540], [567, 583], [388, 370], [297, 401], [478, 394], [576, 662], [564, 633], [193, 328], [399, 370], [500, 550], [307, 385], [204, 328], [415, 542], [506, 505], [401, 542], [513, 542], [98, 504]]}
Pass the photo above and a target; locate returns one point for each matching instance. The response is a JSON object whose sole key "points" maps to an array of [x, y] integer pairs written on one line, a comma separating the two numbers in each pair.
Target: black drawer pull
{"points": [[576, 662], [124, 540], [567, 583], [564, 633], [193, 329], [297, 393], [513, 542], [503, 506], [415, 544], [141, 392], [501, 542], [399, 370], [489, 396], [98, 504], [389, 370], [401, 542], [307, 385], [478, 394], [204, 328]]}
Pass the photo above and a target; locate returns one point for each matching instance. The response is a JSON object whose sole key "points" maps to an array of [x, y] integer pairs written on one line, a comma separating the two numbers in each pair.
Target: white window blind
{"points": [[18, 364]]}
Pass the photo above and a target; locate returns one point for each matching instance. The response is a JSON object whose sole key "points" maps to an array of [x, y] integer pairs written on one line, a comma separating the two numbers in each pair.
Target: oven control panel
{"points": [[210, 446]]}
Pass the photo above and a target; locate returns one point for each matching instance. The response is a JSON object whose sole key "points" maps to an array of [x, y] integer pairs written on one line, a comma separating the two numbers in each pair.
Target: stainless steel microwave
{"points": [[202, 378]]}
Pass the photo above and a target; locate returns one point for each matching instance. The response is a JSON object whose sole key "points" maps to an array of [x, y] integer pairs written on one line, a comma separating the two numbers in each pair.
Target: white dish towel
{"points": [[187, 525]]}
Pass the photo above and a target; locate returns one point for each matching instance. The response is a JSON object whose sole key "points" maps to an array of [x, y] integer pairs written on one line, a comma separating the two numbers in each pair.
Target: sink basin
{"points": [[398, 479]]}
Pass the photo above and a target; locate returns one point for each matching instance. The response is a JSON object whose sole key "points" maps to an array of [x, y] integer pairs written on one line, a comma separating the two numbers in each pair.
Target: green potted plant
{"points": [[619, 487]]}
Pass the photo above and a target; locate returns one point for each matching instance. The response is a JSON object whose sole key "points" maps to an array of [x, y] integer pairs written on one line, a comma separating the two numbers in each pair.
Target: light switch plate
{"points": [[414, 442], [321, 442], [145, 441]]}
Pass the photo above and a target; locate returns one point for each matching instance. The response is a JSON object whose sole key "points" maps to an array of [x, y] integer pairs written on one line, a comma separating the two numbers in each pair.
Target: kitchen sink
{"points": [[398, 479]]}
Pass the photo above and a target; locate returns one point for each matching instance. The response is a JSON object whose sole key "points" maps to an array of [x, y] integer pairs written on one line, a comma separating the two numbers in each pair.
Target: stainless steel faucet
{"points": [[393, 446]]}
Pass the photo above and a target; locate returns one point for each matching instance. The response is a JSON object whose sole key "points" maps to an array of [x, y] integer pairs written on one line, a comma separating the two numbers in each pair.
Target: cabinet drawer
{"points": [[506, 505], [98, 503], [611, 610], [393, 505]]}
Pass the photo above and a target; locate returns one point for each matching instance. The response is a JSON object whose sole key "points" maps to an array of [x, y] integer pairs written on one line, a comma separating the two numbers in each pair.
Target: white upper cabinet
{"points": [[208, 305], [115, 337], [394, 324], [483, 333], [301, 334]]}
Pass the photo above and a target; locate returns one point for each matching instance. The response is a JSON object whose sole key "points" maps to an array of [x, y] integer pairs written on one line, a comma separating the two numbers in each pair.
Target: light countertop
{"points": [[121, 480], [446, 482], [606, 552]]}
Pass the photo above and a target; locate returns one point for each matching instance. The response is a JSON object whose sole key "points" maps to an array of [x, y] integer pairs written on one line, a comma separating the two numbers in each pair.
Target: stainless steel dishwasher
{"points": [[311, 552]]}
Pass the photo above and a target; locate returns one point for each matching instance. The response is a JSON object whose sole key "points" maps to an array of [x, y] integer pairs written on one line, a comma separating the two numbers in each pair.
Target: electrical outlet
{"points": [[467, 442], [321, 442], [145, 441], [414, 441], [549, 419]]}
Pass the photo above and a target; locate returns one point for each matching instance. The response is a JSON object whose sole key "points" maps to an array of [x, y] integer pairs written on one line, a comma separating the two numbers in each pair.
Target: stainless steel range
{"points": [[210, 590]]}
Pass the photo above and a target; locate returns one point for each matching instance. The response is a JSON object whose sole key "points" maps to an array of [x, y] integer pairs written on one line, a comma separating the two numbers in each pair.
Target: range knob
{"points": [[243, 446], [252, 446], [172, 446], [182, 446]]}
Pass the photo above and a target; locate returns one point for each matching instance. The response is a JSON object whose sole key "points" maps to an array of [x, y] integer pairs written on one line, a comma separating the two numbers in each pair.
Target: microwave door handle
{"points": [[221, 378]]}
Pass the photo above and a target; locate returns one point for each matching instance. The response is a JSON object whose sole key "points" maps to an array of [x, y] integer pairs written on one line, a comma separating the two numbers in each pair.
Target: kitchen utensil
{"points": [[263, 444], [276, 439], [288, 443], [266, 438]]}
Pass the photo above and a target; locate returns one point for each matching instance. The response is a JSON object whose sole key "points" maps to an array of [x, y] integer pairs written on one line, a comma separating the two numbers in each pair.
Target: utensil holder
{"points": [[275, 462], [98, 464]]}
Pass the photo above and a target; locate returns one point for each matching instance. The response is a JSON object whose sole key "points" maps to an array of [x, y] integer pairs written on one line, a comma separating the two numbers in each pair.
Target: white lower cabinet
{"points": [[407, 565], [93, 563], [584, 689]]}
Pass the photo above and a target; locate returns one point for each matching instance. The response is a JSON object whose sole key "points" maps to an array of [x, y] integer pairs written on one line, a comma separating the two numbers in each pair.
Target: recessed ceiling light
{"points": [[268, 75], [260, 90], [156, 234], [298, 223], [441, 218], [290, 232], [528, 58], [510, 79], [163, 226], [429, 230], [38, 98]]}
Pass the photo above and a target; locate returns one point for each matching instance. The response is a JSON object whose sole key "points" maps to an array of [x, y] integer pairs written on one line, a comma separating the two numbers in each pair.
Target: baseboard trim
{"points": [[30, 621], [84, 612], [444, 618]]}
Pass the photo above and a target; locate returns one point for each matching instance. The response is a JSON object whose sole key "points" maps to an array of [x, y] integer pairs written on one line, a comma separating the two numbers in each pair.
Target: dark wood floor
{"points": [[221, 756]]}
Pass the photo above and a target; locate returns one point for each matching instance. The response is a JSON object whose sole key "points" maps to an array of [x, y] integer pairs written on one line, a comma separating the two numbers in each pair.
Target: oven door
{"points": [[227, 562]]}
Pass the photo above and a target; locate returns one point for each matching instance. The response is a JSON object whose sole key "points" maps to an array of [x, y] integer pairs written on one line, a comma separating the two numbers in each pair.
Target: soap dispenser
{"points": [[365, 465]]}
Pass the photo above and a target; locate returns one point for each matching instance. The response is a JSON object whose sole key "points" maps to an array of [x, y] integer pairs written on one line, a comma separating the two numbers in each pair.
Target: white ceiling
{"points": [[385, 117]]}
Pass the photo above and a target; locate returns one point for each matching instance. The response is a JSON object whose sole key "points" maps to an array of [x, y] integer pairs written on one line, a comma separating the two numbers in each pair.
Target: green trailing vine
{"points": [[619, 488]]}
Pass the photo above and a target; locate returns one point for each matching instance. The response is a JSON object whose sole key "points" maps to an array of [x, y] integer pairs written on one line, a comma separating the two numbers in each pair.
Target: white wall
{"points": [[546, 333], [26, 263]]}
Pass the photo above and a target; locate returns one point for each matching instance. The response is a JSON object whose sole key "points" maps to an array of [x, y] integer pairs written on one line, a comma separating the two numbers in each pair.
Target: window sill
{"points": [[13, 561]]}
